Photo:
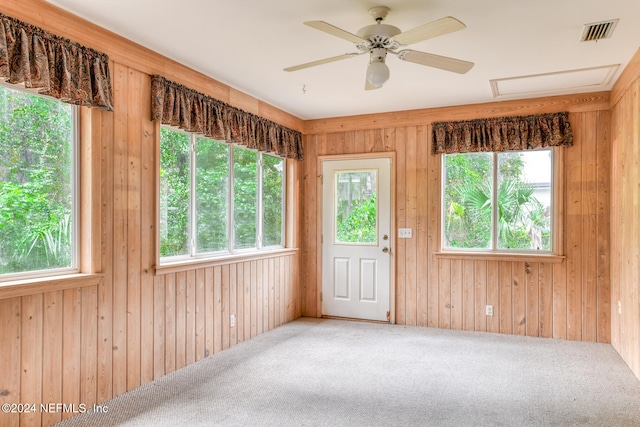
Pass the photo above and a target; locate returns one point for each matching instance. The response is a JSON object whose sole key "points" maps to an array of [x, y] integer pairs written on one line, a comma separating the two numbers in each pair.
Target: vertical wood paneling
{"points": [[233, 304], [10, 337], [603, 205], [147, 231], [159, 307], [444, 293], [209, 310], [566, 299], [120, 211], [519, 300], [625, 227], [71, 351], [225, 306], [217, 309], [493, 295], [401, 222], [248, 312], [410, 249], [422, 225], [201, 320], [480, 295], [31, 357], [105, 290], [133, 227], [52, 348], [589, 228], [546, 303], [532, 298], [88, 346], [170, 324], [468, 295], [190, 297], [310, 233], [433, 210], [181, 319], [455, 304], [240, 316]]}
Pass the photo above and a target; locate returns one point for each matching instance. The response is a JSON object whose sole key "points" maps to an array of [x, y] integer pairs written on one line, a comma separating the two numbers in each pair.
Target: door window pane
{"points": [[245, 199], [212, 195], [175, 190], [356, 207]]}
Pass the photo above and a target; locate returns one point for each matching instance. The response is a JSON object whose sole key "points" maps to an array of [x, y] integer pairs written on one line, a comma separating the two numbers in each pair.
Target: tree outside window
{"points": [[217, 197], [36, 183], [515, 217]]}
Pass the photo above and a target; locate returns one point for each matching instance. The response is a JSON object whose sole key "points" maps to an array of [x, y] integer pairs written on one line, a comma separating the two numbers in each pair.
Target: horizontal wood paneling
{"points": [[573, 103], [564, 298]]}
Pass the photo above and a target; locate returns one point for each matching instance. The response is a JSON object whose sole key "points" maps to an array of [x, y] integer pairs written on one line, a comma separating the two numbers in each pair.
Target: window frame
{"points": [[230, 251], [553, 253], [74, 268]]}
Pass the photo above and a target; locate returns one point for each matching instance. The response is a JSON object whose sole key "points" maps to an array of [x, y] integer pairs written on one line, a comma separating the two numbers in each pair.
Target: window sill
{"points": [[19, 288], [193, 263], [484, 256]]}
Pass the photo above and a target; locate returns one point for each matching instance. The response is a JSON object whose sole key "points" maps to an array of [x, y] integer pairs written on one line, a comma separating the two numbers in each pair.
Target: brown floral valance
{"points": [[502, 134], [56, 66], [177, 105]]}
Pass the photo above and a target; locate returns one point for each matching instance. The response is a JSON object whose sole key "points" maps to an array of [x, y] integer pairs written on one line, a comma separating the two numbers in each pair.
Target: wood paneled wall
{"points": [[568, 299], [625, 217], [86, 339]]}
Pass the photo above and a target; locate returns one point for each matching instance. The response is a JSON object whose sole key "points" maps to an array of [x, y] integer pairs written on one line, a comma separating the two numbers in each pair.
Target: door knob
{"points": [[385, 250]]}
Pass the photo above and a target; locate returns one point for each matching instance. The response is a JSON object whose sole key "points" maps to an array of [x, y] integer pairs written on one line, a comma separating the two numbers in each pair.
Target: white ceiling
{"points": [[245, 44]]}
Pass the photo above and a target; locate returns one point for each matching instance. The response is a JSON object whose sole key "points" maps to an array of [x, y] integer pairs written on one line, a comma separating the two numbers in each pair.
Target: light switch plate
{"points": [[405, 233]]}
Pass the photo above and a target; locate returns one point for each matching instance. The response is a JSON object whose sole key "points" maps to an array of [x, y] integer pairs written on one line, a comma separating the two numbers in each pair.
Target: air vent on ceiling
{"points": [[598, 30]]}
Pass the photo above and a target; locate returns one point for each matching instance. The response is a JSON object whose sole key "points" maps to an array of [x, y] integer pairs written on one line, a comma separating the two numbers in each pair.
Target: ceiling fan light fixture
{"points": [[377, 71]]}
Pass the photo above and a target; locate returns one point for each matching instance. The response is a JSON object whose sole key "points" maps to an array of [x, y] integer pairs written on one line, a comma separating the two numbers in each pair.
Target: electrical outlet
{"points": [[232, 320], [404, 233], [489, 310]]}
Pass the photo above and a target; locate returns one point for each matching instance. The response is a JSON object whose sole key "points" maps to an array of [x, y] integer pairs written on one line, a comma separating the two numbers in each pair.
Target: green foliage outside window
{"points": [[36, 195], [523, 221], [212, 194], [272, 200], [360, 224], [245, 197], [175, 187], [212, 191]]}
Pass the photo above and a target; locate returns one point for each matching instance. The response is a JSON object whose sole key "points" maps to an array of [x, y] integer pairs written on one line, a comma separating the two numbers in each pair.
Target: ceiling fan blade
{"points": [[433, 29], [429, 59], [320, 62], [335, 31]]}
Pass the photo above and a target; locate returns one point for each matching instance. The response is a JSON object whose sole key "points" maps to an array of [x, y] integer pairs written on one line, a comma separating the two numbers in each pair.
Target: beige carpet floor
{"points": [[315, 372]]}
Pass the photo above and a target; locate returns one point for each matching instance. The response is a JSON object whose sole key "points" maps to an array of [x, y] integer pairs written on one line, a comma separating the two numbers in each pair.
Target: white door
{"points": [[356, 238]]}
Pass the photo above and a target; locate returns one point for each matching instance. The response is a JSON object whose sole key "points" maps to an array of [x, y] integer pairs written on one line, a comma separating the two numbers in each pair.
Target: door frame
{"points": [[392, 238]]}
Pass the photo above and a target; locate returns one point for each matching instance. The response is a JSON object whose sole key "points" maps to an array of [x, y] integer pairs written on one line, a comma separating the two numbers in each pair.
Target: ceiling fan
{"points": [[380, 39]]}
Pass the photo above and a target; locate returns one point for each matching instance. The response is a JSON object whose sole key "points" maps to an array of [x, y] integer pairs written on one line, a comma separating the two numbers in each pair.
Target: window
{"points": [[37, 185], [518, 217], [217, 198]]}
